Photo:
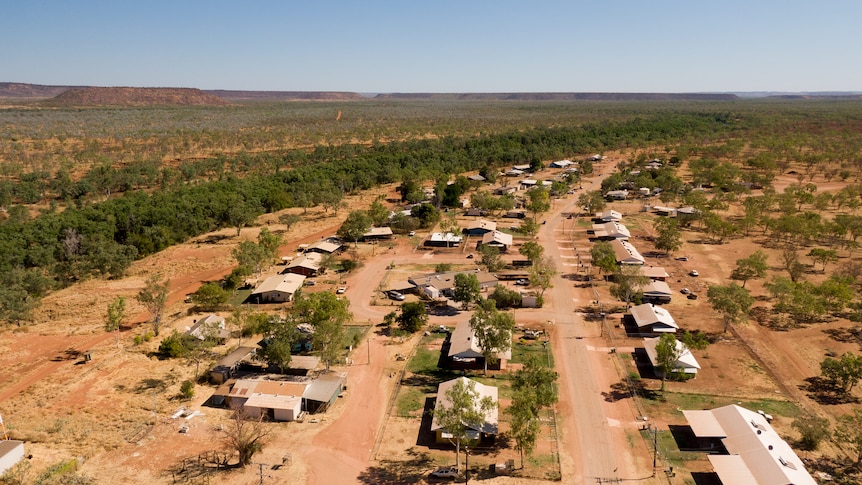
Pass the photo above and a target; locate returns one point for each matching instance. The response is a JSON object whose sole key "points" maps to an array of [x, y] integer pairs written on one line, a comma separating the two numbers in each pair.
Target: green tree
{"points": [[278, 347], [462, 409], [532, 251], [116, 316], [591, 201], [154, 296], [467, 289], [794, 268], [542, 274], [443, 267], [603, 257], [269, 243], [539, 200], [327, 314], [668, 351], [493, 331], [413, 317], [524, 424], [540, 380], [210, 297], [668, 236], [812, 430], [534, 388], [355, 226], [505, 298], [823, 256], [289, 220], [752, 267], [732, 301], [378, 212], [844, 373], [848, 431], [240, 214], [251, 256], [628, 279], [490, 258]]}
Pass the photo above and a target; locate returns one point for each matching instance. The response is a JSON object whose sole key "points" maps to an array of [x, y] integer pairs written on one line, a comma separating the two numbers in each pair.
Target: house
{"points": [[444, 283], [227, 366], [610, 230], [686, 363], [308, 265], [656, 292], [498, 239], [476, 431], [617, 194], [654, 318], [11, 452], [279, 400], [212, 326], [655, 273], [441, 240], [377, 233], [523, 167], [664, 211], [530, 183], [609, 216], [514, 172], [474, 212], [325, 246], [465, 352], [595, 158], [279, 288], [476, 178], [517, 214], [752, 453], [626, 253], [561, 164], [480, 227], [508, 190]]}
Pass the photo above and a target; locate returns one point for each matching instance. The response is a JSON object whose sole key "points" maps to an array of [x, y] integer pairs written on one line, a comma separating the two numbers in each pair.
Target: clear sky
{"points": [[437, 45]]}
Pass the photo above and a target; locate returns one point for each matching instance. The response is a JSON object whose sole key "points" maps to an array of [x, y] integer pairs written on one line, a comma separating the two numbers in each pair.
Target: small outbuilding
{"points": [[323, 391], [226, 367], [11, 452]]}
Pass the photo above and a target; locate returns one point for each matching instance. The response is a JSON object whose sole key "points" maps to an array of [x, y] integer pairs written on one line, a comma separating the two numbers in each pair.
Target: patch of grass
{"points": [[523, 349], [425, 360], [239, 297], [673, 402], [353, 334], [410, 399]]}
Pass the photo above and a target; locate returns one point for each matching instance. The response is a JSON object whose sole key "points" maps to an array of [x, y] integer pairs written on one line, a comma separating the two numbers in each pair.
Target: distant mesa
{"points": [[93, 96]]}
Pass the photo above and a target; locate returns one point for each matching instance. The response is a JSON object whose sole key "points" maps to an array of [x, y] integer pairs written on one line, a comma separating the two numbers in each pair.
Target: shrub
{"points": [[187, 389]]}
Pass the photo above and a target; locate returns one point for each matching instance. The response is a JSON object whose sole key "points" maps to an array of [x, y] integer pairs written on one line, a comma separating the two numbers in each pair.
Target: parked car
{"points": [[411, 233], [445, 472], [682, 258], [310, 282], [522, 282], [692, 296], [470, 256], [685, 291], [340, 290], [693, 273], [395, 295]]}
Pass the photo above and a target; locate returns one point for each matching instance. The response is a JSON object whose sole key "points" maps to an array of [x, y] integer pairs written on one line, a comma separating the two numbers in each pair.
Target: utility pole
{"points": [[260, 472]]}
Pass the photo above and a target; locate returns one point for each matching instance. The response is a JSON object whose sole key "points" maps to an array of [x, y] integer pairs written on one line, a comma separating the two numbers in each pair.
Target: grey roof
{"points": [[310, 261], [626, 253], [658, 317], [463, 343], [325, 387], [686, 362], [497, 237], [234, 357]]}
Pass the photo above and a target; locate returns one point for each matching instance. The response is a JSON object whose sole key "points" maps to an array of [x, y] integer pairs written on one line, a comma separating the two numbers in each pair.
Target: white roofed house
{"points": [[653, 318], [745, 449], [686, 363], [465, 351], [501, 240], [326, 246], [210, 327], [610, 230], [626, 253], [279, 288], [561, 163], [656, 292], [487, 428], [608, 216]]}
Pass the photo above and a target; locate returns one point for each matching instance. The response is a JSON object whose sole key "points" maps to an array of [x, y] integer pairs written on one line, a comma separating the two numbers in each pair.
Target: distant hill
{"points": [[135, 97], [283, 95], [30, 91], [563, 96]]}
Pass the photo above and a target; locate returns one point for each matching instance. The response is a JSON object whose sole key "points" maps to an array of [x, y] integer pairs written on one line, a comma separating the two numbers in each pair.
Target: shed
{"points": [[323, 391], [686, 362], [278, 288], [273, 406], [617, 194], [656, 318], [377, 233], [488, 428], [226, 367]]}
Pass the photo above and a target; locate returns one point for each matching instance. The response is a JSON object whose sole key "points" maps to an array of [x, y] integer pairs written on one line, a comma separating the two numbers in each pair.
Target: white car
{"points": [[693, 273], [411, 233], [445, 472], [340, 290], [396, 296]]}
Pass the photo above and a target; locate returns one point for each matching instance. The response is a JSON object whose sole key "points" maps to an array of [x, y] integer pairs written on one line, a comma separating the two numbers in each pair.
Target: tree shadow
{"points": [[394, 472], [68, 354], [846, 334], [824, 392], [150, 384]]}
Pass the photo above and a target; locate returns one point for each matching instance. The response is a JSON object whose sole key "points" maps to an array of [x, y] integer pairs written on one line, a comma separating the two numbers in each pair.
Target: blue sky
{"points": [[437, 45]]}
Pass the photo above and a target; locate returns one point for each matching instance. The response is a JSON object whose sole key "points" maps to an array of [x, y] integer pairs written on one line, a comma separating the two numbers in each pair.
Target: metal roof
{"points": [[491, 418]]}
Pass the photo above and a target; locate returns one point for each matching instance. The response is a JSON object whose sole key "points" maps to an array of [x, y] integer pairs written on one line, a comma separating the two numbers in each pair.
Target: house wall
{"points": [[307, 272], [11, 457]]}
